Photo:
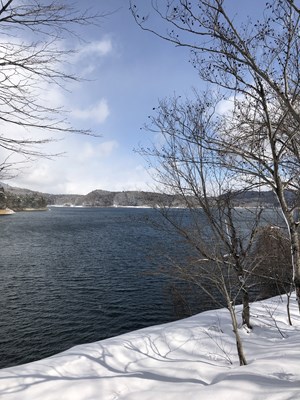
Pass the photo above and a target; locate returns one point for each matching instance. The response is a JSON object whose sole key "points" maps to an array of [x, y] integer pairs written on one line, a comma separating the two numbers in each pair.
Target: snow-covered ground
{"points": [[194, 358]]}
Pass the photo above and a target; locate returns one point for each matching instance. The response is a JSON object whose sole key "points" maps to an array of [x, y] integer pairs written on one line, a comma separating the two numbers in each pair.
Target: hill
{"points": [[19, 199]]}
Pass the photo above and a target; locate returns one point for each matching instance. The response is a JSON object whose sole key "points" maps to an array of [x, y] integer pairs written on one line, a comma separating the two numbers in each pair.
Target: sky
{"points": [[126, 71]]}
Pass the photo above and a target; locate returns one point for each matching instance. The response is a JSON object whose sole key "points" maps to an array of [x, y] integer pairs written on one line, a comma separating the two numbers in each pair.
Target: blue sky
{"points": [[127, 71]]}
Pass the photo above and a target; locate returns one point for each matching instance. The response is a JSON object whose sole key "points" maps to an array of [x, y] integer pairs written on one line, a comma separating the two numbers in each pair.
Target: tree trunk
{"points": [[288, 307], [246, 308], [239, 345], [245, 295], [292, 225], [295, 250]]}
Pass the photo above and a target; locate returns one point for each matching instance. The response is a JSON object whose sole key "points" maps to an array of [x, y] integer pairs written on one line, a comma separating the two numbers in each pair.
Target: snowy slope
{"points": [[194, 358]]}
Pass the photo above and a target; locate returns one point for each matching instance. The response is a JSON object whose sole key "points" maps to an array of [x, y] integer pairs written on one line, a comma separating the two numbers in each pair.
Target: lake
{"points": [[78, 275]]}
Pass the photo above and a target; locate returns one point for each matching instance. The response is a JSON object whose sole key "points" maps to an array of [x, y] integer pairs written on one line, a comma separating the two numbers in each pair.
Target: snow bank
{"points": [[194, 358]]}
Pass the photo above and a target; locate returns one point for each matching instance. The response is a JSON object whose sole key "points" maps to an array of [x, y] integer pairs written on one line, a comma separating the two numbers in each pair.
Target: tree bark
{"points": [[239, 345], [246, 308], [296, 262]]}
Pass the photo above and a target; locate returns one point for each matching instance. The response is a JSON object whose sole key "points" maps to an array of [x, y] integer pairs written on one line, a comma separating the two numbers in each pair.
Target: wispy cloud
{"points": [[96, 48], [91, 55], [102, 169], [106, 148], [98, 112], [102, 150]]}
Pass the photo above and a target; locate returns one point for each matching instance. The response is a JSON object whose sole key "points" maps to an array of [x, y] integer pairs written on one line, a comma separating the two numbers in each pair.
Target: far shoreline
{"points": [[6, 211]]}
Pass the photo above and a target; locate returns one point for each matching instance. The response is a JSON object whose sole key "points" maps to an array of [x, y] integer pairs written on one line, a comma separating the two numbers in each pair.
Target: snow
{"points": [[194, 358]]}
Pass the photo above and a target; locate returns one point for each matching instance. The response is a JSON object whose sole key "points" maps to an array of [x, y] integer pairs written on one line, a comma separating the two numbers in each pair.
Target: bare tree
{"points": [[256, 144], [273, 272], [212, 276], [33, 58], [188, 163], [256, 64]]}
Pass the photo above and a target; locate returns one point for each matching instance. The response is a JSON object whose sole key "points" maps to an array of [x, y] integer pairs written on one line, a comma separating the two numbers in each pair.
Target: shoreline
{"points": [[166, 361], [6, 211], [34, 209]]}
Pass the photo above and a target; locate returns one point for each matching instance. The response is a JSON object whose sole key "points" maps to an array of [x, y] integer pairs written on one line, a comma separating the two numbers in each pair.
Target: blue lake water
{"points": [[78, 275]]}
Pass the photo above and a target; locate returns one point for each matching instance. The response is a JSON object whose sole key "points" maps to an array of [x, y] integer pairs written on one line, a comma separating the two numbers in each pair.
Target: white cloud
{"points": [[89, 57], [225, 106], [96, 48], [106, 148], [98, 112], [89, 151], [101, 169]]}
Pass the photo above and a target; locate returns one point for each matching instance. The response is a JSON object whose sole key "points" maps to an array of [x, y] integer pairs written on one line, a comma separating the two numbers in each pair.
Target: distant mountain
{"points": [[104, 198], [265, 198], [19, 199]]}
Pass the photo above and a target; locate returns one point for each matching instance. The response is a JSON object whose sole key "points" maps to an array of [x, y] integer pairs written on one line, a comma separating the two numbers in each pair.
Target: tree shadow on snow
{"points": [[141, 358]]}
